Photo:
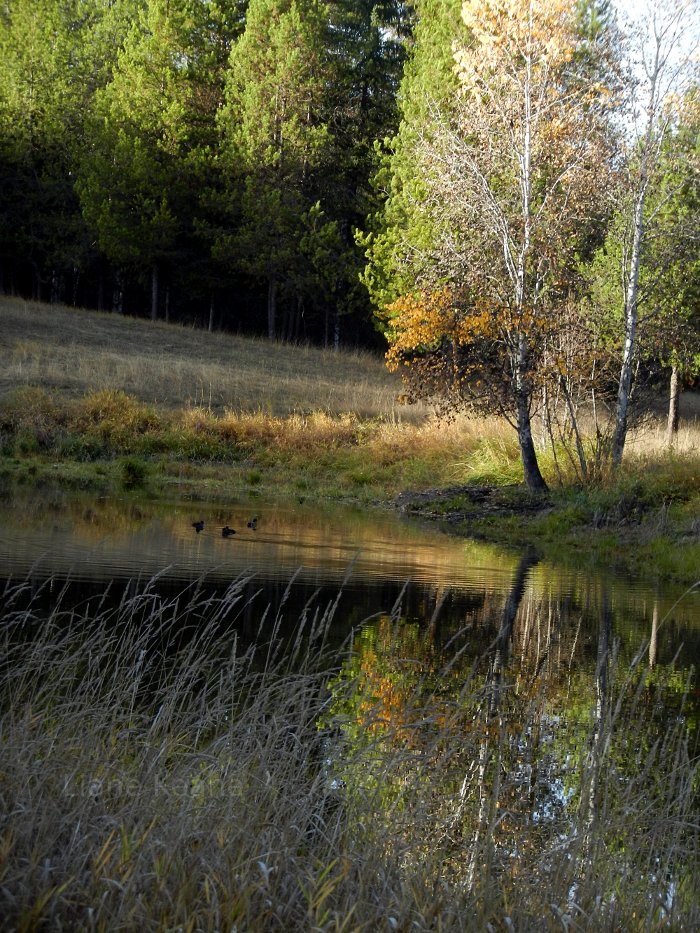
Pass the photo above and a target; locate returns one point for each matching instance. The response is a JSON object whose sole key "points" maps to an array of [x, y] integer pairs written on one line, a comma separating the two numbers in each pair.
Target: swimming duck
{"points": [[198, 526], [226, 532], [253, 523]]}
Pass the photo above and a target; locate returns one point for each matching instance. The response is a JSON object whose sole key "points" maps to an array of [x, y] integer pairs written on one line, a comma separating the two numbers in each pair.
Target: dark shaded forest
{"points": [[199, 161]]}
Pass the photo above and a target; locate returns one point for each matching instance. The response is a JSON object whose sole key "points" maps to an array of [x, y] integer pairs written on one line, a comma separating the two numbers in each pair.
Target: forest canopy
{"points": [[197, 158]]}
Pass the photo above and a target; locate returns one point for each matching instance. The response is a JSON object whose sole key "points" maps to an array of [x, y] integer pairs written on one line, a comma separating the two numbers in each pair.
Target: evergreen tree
{"points": [[429, 85], [367, 43], [134, 184], [39, 219], [53, 54], [277, 143], [215, 28]]}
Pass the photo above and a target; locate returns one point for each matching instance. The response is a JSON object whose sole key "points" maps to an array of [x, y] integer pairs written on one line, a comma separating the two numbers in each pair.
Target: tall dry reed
{"points": [[161, 771]]}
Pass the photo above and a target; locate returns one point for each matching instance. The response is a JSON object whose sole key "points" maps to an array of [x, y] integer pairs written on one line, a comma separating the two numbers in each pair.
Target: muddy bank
{"points": [[460, 503]]}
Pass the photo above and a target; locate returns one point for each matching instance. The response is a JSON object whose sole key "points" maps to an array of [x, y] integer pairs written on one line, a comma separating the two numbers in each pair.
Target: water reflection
{"points": [[376, 558], [495, 716], [108, 538], [544, 724]]}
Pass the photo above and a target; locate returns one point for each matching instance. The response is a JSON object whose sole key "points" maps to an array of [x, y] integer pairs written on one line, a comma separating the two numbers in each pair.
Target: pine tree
{"points": [[134, 186], [276, 141], [53, 56], [367, 42], [429, 84]]}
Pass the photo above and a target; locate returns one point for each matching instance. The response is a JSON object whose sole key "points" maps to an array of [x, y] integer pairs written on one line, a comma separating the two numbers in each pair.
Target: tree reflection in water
{"points": [[531, 746]]}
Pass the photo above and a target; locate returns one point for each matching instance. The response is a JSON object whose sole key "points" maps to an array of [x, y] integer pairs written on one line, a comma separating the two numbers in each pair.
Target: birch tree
{"points": [[402, 230], [666, 66], [667, 283], [513, 176]]}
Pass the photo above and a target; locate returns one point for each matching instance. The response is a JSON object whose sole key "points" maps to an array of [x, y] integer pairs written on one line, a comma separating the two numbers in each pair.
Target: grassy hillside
{"points": [[109, 403], [74, 351]]}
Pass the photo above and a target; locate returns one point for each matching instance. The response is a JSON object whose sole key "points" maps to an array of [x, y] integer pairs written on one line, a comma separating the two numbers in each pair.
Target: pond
{"points": [[294, 551], [521, 716]]}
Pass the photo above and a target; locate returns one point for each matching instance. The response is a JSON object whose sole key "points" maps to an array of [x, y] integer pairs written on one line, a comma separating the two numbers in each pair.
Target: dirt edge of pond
{"points": [[456, 504], [626, 535]]}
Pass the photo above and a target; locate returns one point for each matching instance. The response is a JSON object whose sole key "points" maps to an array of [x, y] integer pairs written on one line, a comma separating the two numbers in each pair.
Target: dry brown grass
{"points": [[76, 352], [153, 784], [650, 441]]}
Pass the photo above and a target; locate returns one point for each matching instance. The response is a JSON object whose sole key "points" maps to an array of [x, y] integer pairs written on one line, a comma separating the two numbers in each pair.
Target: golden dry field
{"points": [[73, 352]]}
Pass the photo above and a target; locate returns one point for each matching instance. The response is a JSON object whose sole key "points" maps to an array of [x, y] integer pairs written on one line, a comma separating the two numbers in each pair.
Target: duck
{"points": [[198, 526], [253, 523], [226, 532]]}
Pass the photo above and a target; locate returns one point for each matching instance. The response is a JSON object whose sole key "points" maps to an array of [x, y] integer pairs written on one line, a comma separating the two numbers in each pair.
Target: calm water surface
{"points": [[375, 558]]}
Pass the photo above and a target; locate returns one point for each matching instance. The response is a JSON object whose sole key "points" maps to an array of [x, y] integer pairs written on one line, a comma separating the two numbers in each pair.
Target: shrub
{"points": [[114, 415], [132, 472], [31, 418]]}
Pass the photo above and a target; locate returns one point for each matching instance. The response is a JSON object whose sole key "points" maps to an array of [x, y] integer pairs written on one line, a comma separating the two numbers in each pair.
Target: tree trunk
{"points": [[56, 288], [574, 424], [598, 747], [673, 407], [531, 469], [625, 383], [118, 294], [647, 156], [271, 308], [211, 315], [101, 289], [654, 639], [336, 329], [36, 283], [154, 291], [490, 759]]}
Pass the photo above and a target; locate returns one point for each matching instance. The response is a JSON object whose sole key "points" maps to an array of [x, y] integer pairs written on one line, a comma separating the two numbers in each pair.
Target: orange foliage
{"points": [[420, 321], [462, 352]]}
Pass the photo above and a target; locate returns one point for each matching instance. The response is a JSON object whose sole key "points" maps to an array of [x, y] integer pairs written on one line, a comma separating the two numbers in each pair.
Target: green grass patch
{"points": [[133, 473]]}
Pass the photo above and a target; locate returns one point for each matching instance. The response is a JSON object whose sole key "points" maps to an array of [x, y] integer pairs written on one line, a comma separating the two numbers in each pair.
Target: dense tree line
{"points": [[199, 160], [495, 182]]}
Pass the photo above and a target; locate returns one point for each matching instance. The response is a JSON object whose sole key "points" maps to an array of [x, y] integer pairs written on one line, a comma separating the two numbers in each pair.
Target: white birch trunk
{"points": [[667, 68], [673, 407]]}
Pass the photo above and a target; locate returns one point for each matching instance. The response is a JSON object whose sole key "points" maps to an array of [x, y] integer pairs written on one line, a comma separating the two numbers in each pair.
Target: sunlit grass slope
{"points": [[72, 352]]}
